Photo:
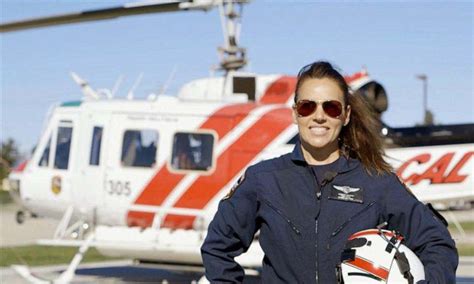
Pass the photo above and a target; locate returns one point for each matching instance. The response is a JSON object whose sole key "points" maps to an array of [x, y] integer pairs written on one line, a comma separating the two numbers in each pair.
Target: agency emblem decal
{"points": [[234, 187], [347, 193], [56, 185]]}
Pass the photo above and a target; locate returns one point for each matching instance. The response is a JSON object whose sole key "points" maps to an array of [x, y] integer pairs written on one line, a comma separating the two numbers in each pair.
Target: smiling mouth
{"points": [[319, 130]]}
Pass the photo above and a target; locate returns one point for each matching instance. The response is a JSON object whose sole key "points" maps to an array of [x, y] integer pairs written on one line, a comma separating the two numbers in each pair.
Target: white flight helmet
{"points": [[378, 256]]}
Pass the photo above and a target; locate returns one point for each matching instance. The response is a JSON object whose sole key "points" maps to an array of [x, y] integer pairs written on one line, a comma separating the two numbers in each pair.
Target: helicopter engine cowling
{"points": [[374, 93]]}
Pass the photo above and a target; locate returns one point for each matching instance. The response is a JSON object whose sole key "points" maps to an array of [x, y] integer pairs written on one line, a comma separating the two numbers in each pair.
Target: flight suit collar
{"points": [[345, 165]]}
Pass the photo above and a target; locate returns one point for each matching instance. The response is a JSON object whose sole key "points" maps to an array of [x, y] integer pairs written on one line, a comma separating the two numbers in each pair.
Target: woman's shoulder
{"points": [[387, 183], [270, 165]]}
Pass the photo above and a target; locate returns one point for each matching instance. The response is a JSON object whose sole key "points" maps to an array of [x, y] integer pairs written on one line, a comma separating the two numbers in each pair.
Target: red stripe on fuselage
{"points": [[280, 91], [163, 183], [356, 76], [21, 167], [230, 163]]}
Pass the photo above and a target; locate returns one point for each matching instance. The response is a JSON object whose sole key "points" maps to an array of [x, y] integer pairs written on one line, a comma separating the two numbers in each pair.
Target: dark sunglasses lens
{"points": [[305, 108], [332, 108]]}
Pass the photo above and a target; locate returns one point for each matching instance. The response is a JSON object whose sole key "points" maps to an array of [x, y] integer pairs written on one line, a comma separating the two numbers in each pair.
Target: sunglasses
{"points": [[332, 108]]}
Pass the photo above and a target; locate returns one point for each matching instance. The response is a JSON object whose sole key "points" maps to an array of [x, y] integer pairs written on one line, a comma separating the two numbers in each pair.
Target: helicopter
{"points": [[142, 178]]}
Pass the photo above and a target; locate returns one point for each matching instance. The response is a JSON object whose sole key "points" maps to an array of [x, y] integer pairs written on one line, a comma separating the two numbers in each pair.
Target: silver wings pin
{"points": [[346, 189], [347, 192]]}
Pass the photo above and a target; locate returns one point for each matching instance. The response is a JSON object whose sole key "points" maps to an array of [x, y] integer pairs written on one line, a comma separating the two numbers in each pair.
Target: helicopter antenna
{"points": [[135, 85], [117, 85], [85, 87], [165, 86]]}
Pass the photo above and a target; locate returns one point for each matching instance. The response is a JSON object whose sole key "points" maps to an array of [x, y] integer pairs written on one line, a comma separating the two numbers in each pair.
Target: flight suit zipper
{"points": [[319, 193], [339, 229], [316, 245]]}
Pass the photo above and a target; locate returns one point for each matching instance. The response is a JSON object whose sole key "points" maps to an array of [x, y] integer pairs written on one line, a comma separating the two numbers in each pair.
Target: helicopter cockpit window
{"points": [[63, 146], [139, 148], [192, 151], [94, 158], [44, 160]]}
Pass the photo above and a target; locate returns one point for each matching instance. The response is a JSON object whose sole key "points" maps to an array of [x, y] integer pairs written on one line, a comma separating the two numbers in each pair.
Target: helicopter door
{"points": [[130, 164], [89, 183]]}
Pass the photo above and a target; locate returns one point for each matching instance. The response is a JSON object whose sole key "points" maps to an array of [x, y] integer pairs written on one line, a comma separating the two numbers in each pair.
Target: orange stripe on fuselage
{"points": [[230, 163], [280, 91], [163, 183]]}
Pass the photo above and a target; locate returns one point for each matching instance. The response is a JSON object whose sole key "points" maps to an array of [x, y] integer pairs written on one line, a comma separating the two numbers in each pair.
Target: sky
{"points": [[394, 40]]}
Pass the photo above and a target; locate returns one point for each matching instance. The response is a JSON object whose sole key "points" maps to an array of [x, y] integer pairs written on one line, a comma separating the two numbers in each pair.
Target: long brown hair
{"points": [[360, 138]]}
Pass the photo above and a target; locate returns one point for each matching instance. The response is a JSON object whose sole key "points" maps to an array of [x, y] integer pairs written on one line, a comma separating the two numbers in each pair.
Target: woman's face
{"points": [[319, 131]]}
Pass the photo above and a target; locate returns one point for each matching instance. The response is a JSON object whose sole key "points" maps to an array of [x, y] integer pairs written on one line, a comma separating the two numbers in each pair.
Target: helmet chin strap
{"points": [[403, 265], [400, 257]]}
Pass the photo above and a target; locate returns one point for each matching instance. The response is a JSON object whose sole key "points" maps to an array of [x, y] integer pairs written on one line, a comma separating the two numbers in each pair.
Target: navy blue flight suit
{"points": [[303, 227]]}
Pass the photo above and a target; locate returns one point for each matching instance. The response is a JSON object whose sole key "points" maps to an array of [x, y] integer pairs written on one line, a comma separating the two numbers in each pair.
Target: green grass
{"points": [[465, 249], [35, 255], [5, 197], [467, 226]]}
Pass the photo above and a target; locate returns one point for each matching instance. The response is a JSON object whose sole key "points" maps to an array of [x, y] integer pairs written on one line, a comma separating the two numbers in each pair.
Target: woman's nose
{"points": [[319, 114]]}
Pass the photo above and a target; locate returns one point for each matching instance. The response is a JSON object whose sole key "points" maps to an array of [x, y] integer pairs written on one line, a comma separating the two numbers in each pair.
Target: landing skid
{"points": [[66, 276]]}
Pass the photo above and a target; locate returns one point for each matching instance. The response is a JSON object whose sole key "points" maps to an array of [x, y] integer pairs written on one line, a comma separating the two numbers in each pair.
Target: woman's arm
{"points": [[424, 233], [231, 232]]}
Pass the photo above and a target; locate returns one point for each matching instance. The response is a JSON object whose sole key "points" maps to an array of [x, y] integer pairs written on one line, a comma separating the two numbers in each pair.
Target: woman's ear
{"points": [[294, 115], [348, 115]]}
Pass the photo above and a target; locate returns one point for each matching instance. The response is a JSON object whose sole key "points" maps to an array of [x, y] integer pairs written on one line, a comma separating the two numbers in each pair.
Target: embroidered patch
{"points": [[234, 187], [347, 193]]}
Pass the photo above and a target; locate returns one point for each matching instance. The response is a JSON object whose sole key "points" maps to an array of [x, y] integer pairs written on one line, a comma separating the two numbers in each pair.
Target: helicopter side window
{"points": [[94, 158], [139, 148], [44, 161], [63, 146], [192, 151]]}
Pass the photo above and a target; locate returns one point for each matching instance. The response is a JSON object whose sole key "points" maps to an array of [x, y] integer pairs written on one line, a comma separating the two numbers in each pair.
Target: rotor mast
{"points": [[232, 56]]}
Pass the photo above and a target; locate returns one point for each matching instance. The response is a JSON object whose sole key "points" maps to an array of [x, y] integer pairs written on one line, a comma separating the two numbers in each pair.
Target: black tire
{"points": [[20, 217]]}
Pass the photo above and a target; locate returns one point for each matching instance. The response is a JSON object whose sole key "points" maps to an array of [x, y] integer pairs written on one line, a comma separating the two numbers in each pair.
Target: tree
{"points": [[9, 157], [429, 118]]}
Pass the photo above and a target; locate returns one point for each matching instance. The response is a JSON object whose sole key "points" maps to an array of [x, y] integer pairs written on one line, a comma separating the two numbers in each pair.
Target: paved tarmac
{"points": [[126, 272], [116, 272], [12, 234]]}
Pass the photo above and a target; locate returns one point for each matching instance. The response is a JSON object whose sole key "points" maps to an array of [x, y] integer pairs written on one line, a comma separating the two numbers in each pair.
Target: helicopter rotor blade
{"points": [[131, 9]]}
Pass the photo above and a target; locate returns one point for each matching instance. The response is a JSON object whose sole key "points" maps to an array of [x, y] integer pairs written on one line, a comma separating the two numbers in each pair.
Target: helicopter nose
{"points": [[13, 187], [13, 183]]}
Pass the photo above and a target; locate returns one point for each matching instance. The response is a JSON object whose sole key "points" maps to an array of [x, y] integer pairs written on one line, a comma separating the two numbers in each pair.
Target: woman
{"points": [[307, 203]]}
